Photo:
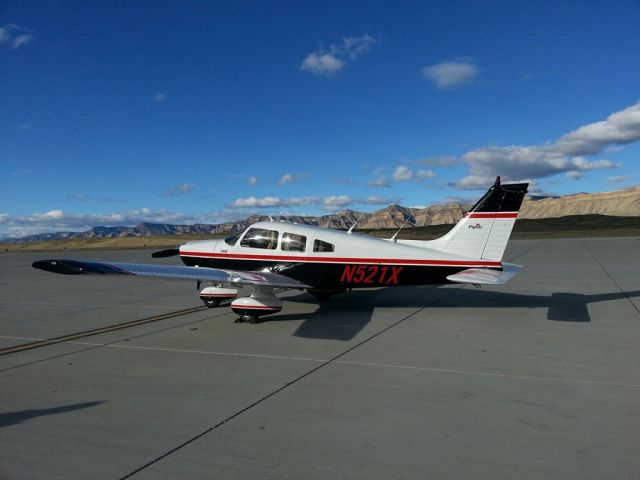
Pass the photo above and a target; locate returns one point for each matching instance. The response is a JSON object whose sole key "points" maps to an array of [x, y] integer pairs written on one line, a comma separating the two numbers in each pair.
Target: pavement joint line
{"points": [[491, 374], [367, 364], [204, 352], [611, 277], [288, 384]]}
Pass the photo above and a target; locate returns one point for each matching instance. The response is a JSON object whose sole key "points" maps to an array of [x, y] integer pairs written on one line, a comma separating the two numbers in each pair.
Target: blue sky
{"points": [[201, 112]]}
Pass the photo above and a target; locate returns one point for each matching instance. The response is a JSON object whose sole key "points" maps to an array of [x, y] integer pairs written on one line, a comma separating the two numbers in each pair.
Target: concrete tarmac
{"points": [[539, 378]]}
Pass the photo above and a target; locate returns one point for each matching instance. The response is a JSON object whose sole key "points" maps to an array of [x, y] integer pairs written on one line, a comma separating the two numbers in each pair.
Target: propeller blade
{"points": [[170, 252]]}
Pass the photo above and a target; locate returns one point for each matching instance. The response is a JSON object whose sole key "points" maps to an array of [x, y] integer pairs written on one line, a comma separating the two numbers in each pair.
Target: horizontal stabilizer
{"points": [[76, 267], [486, 276]]}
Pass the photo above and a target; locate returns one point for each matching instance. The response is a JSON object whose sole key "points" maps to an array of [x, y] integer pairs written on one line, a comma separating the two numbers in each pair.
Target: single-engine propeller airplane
{"points": [[326, 262]]}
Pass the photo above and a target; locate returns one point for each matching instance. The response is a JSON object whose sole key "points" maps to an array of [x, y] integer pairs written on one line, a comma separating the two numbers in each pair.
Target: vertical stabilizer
{"points": [[485, 230]]}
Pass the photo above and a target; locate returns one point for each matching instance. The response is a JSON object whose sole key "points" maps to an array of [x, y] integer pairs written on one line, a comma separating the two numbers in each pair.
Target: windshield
{"points": [[233, 239]]}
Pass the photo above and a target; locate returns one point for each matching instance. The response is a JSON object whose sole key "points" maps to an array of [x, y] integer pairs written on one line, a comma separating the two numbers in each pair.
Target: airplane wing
{"points": [[486, 276], [77, 267]]}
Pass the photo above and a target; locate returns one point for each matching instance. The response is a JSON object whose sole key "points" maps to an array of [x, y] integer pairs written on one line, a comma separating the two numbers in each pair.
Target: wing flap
{"points": [[76, 267], [486, 276]]}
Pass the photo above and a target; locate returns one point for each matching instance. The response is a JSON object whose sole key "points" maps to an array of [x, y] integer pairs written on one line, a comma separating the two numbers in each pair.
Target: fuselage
{"points": [[328, 259]]}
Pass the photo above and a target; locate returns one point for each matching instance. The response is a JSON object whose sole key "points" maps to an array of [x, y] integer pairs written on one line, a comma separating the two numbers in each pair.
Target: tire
{"points": [[211, 302]]}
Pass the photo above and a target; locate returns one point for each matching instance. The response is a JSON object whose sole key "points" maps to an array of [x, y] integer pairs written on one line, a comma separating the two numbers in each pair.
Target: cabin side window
{"points": [[260, 238], [293, 243], [320, 246]]}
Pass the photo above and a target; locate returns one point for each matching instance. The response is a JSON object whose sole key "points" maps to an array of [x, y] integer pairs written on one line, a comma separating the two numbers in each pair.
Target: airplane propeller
{"points": [[169, 252]]}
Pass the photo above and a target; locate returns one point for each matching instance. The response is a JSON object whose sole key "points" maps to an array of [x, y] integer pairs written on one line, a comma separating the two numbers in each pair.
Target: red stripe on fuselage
{"points": [[493, 215], [349, 260]]}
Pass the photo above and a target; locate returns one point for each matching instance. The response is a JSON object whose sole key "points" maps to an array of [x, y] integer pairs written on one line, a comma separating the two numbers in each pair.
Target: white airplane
{"points": [[325, 261]]}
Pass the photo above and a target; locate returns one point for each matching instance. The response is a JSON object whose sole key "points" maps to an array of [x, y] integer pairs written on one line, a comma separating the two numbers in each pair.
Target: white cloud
{"points": [[566, 154], [336, 57], [452, 73], [14, 36], [160, 98], [321, 64], [252, 180], [404, 174], [290, 178], [618, 179], [574, 175], [620, 128], [21, 40], [379, 182], [337, 201], [178, 190]]}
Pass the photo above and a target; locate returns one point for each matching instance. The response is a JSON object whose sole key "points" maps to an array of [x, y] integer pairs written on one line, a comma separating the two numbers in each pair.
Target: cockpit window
{"points": [[233, 239], [293, 243], [320, 246], [260, 238]]}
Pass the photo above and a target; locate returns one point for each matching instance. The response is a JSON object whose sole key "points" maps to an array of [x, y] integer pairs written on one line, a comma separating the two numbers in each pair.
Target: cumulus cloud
{"points": [[14, 36], [564, 155], [336, 57], [178, 190], [290, 178], [452, 73], [322, 64], [403, 174]]}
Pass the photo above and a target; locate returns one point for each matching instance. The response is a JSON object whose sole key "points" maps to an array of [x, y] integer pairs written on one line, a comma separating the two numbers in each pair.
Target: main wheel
{"points": [[211, 302]]}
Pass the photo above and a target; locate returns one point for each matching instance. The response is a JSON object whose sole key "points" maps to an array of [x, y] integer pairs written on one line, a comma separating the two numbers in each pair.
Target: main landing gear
{"points": [[214, 294], [260, 302]]}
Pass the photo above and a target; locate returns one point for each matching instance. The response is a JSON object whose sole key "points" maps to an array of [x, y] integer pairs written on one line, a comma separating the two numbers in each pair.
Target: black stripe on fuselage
{"points": [[339, 276]]}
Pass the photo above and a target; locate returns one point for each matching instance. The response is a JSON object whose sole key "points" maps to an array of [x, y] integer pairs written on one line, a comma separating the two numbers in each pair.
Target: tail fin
{"points": [[485, 230]]}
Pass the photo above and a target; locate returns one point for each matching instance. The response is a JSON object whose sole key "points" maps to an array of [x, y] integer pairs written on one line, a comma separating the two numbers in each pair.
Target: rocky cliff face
{"points": [[623, 203]]}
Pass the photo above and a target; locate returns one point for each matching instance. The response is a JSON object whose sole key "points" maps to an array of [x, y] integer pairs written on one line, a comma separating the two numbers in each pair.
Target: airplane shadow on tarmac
{"points": [[13, 418], [343, 316]]}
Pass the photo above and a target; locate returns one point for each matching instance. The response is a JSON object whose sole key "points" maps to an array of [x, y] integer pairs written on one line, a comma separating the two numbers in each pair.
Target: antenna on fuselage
{"points": [[393, 239], [350, 231]]}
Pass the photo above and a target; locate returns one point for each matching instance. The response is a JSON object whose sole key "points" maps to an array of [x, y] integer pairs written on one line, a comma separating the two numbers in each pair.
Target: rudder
{"points": [[486, 228]]}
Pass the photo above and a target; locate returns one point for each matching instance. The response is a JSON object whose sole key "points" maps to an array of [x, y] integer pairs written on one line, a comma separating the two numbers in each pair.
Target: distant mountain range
{"points": [[618, 203]]}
